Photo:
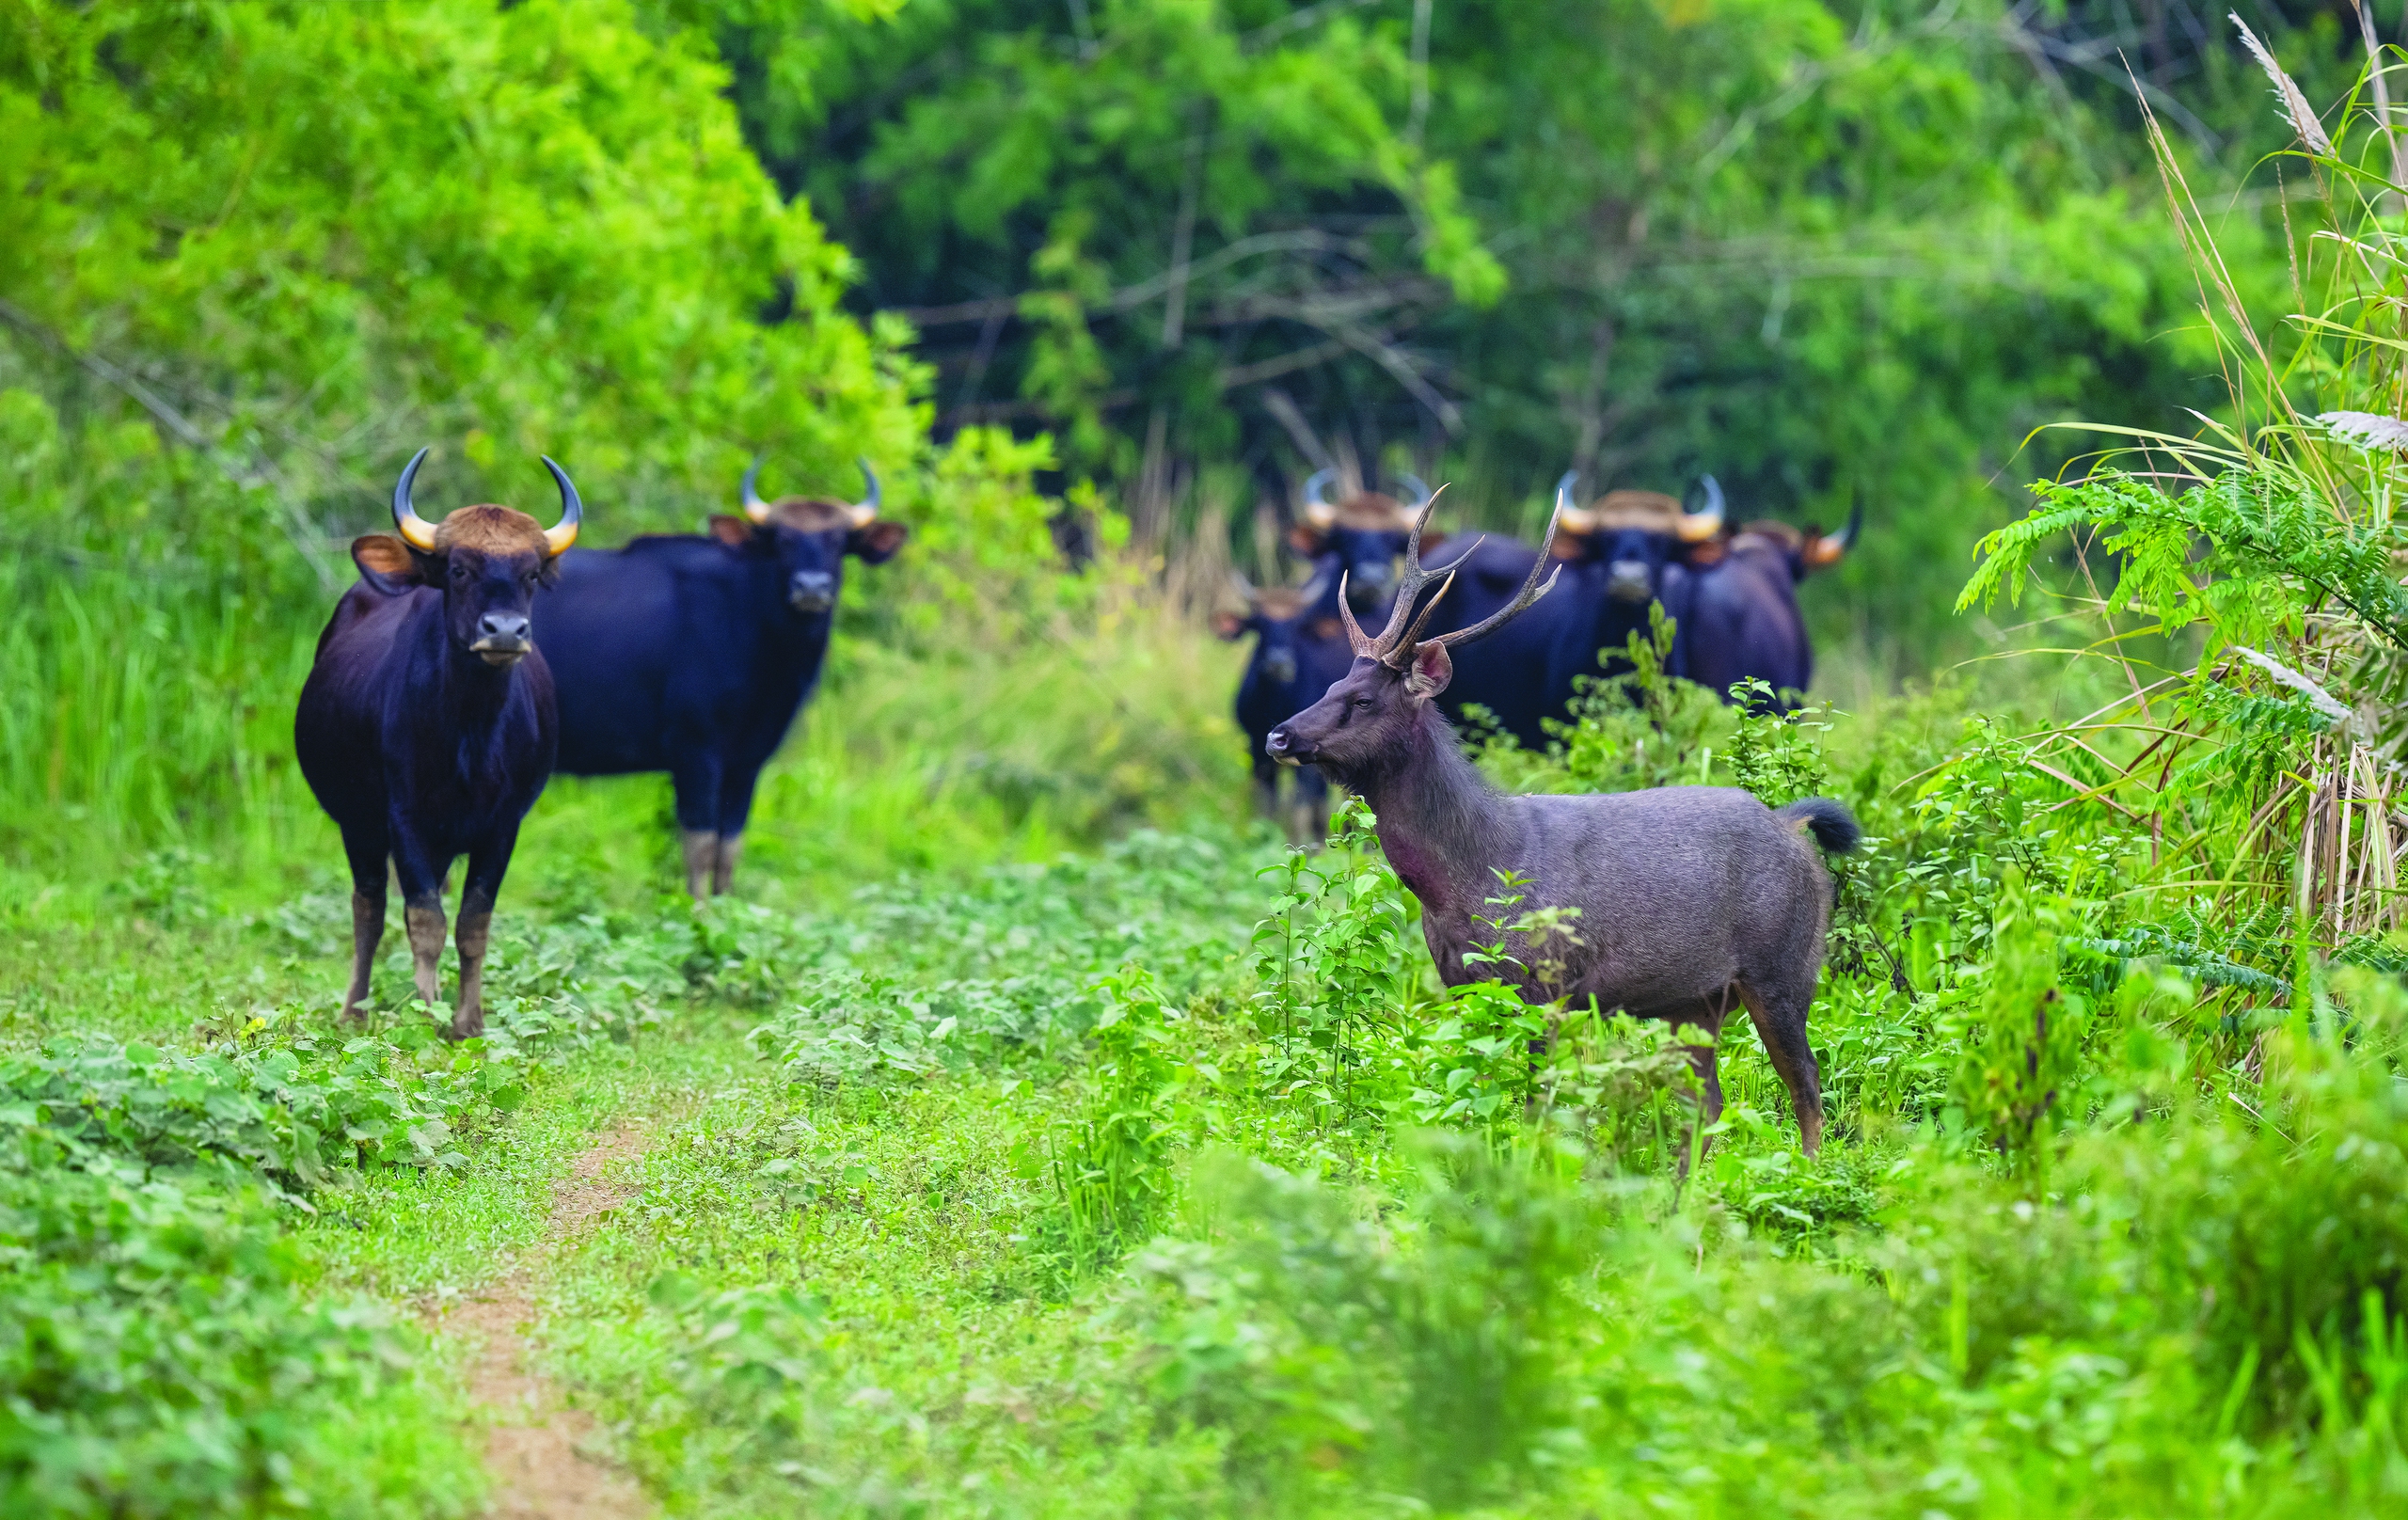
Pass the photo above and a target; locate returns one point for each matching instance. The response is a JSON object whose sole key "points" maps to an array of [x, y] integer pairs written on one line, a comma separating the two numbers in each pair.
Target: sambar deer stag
{"points": [[1692, 900]]}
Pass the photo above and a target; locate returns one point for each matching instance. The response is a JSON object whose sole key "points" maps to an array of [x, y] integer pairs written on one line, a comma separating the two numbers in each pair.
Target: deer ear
{"points": [[1227, 625], [1430, 671], [730, 530]]}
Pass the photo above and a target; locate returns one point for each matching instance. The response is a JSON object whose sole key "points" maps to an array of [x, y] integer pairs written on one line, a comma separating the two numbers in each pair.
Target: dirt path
{"points": [[538, 1449]]}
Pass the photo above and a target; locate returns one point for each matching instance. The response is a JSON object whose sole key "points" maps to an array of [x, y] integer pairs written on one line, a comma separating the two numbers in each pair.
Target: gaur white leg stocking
{"points": [[425, 924], [701, 859]]}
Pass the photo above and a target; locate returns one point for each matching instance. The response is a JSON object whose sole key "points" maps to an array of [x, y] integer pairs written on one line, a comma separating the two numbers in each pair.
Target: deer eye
{"points": [[1363, 702]]}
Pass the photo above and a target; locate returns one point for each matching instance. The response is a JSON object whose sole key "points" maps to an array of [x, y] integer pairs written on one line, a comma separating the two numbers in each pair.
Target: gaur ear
{"points": [[386, 564], [1306, 539], [1328, 628], [1229, 624], [733, 532], [1430, 671], [1702, 555], [875, 541]]}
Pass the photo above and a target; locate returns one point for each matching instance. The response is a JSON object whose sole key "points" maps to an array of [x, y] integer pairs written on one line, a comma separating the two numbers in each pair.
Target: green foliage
{"points": [[1334, 968], [1108, 1160], [159, 1358], [2024, 1055]]}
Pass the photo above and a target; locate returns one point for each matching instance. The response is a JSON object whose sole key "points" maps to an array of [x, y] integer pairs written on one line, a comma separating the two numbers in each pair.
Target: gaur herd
{"points": [[478, 654]]}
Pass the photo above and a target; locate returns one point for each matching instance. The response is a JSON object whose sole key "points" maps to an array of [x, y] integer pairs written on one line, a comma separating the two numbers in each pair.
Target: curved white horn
{"points": [[754, 507], [558, 537], [868, 507], [1697, 527], [1413, 483], [416, 530], [1845, 538]]}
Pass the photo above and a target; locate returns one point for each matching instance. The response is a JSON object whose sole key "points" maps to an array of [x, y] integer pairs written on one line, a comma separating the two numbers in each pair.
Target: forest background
{"points": [[1072, 274], [1029, 1134]]}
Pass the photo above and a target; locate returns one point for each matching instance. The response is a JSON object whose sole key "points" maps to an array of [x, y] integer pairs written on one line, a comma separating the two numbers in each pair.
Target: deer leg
{"points": [[1706, 1018], [1780, 1017]]}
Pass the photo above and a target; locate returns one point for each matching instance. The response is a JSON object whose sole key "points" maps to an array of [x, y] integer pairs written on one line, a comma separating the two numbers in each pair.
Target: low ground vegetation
{"points": [[1035, 1139]]}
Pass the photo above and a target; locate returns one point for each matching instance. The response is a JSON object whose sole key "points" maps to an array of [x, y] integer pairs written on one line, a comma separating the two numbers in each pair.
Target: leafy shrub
{"points": [[158, 1358]]}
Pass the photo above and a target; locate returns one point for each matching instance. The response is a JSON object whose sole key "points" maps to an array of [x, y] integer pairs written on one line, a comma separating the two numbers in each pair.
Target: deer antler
{"points": [[1414, 578], [1531, 590]]}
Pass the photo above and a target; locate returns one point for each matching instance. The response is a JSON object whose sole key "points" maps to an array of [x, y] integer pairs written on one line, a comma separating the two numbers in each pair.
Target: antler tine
{"points": [[1354, 629], [1531, 590], [1410, 587], [1402, 655]]}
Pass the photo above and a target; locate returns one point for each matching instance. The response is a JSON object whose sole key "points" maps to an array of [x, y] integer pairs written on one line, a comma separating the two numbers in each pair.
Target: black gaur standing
{"points": [[1300, 648], [427, 726], [1356, 542], [1617, 556], [1743, 621], [691, 654], [1691, 899]]}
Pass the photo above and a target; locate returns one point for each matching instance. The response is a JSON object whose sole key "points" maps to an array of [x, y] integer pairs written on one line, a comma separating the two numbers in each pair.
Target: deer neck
{"points": [[1441, 824]]}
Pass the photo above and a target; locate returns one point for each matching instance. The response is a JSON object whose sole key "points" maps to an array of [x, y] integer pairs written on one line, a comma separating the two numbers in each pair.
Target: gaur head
{"points": [[808, 538], [1281, 617], [486, 560], [1359, 537], [1365, 719], [1632, 535], [1802, 550]]}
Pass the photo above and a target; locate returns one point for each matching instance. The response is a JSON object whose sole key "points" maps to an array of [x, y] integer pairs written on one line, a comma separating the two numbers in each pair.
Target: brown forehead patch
{"points": [[1781, 534], [810, 513], [1648, 510], [1375, 512], [1281, 602], [491, 530]]}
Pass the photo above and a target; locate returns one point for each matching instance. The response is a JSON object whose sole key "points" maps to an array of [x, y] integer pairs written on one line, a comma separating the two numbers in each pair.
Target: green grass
{"points": [[990, 1168]]}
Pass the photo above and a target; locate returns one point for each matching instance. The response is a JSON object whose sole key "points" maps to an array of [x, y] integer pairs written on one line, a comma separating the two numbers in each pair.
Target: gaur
{"points": [[1618, 555], [1300, 648], [1743, 621], [1691, 899], [1356, 541], [427, 726], [691, 654]]}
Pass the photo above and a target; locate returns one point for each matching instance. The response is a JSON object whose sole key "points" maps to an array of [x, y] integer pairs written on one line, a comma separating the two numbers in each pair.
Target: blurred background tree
{"points": [[1830, 253]]}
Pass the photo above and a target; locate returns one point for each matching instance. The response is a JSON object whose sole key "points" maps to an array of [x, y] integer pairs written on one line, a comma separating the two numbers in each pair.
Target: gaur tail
{"points": [[1830, 824]]}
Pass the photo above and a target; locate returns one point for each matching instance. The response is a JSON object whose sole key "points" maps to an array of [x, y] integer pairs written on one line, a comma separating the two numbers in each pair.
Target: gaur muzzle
{"points": [[812, 591]]}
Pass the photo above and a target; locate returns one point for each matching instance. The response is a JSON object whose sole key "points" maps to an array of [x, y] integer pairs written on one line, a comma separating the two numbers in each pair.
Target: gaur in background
{"points": [[427, 726], [1300, 648], [1692, 901], [693, 653], [1356, 541], [1617, 556], [1742, 622]]}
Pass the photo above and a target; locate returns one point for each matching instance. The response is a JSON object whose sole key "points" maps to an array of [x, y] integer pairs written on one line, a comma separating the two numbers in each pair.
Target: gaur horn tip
{"points": [[416, 530], [558, 537]]}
